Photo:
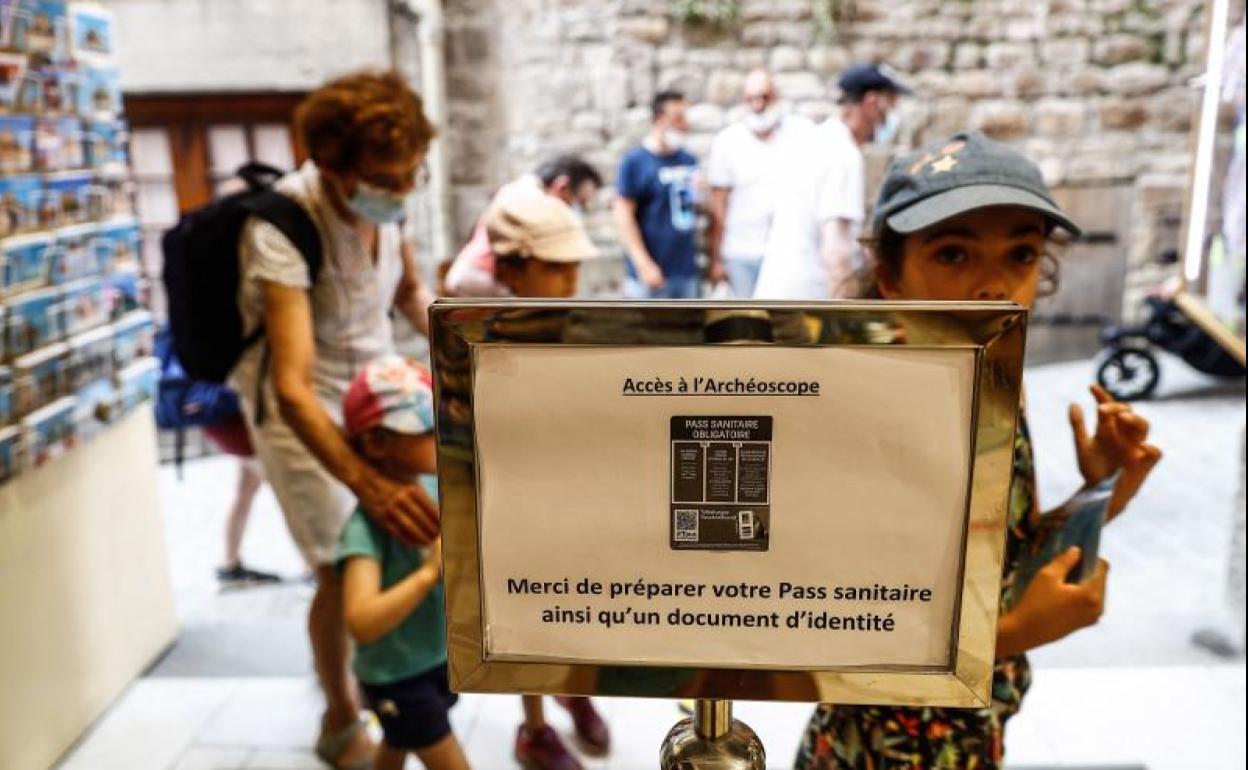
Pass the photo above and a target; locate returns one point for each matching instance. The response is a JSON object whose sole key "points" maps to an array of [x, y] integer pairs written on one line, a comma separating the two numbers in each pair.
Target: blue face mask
{"points": [[378, 206], [887, 131]]}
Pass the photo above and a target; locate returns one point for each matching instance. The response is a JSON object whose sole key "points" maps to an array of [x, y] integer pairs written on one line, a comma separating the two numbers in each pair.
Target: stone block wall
{"points": [[189, 46], [1096, 91]]}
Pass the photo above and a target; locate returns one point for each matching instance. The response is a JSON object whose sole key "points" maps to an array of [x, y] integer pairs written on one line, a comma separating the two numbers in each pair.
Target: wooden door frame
{"points": [[187, 116]]}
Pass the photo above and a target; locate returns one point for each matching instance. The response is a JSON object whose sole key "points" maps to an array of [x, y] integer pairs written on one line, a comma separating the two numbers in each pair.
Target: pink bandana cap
{"points": [[392, 392]]}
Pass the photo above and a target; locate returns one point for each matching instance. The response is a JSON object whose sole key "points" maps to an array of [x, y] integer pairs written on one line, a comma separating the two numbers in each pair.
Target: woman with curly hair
{"points": [[366, 135]]}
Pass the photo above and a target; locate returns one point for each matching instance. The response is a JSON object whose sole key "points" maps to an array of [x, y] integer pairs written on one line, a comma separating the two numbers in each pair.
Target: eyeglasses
{"points": [[763, 98], [417, 179]]}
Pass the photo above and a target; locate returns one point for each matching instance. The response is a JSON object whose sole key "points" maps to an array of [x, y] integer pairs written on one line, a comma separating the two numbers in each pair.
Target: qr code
{"points": [[745, 525], [686, 526]]}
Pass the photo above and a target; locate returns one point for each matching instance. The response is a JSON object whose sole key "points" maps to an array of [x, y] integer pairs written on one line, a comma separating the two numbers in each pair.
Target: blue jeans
{"points": [[742, 275], [680, 287]]}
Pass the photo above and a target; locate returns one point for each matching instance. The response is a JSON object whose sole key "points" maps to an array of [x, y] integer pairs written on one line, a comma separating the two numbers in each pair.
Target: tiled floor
{"points": [[1162, 718], [1131, 692]]}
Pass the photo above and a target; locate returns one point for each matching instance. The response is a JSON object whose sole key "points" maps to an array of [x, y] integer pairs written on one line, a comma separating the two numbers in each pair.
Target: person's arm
{"points": [[717, 215], [370, 612], [412, 297], [470, 281], [625, 211], [405, 510], [839, 205], [1051, 608], [1120, 443], [1136, 468], [472, 273], [836, 249], [720, 179]]}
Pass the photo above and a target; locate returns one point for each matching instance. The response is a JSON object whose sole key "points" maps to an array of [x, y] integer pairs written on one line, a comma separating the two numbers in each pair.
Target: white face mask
{"points": [[763, 122], [674, 140], [886, 132]]}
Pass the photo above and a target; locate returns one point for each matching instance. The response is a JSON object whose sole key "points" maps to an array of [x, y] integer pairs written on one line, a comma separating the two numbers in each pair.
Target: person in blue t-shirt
{"points": [[656, 209]]}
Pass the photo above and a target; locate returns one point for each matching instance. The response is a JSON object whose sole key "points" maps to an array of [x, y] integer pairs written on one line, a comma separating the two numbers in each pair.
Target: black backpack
{"points": [[201, 272]]}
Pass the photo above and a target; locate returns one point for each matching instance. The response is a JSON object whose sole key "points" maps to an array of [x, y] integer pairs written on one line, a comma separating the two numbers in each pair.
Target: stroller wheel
{"points": [[1129, 374]]}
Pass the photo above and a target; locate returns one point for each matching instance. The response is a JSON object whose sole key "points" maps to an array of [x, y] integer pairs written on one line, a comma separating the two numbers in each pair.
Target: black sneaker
{"points": [[239, 576], [1218, 642]]}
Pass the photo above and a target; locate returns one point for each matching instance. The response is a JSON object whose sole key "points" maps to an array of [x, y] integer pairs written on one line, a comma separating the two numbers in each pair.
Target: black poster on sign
{"points": [[720, 483]]}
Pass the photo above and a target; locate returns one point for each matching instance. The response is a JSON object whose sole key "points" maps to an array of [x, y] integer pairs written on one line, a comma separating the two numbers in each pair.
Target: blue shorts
{"points": [[414, 713]]}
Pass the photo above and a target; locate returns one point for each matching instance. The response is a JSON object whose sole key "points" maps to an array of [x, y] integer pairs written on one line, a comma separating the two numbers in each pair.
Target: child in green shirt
{"points": [[392, 592]]}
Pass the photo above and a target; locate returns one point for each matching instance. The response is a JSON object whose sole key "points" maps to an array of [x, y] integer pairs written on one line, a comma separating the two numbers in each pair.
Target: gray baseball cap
{"points": [[965, 172]]}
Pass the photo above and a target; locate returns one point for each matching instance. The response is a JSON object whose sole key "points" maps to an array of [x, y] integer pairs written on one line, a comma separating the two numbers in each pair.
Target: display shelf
{"points": [[69, 241], [85, 597]]}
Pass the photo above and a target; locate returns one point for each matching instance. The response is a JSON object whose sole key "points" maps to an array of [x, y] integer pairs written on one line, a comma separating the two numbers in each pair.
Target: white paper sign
{"points": [[862, 465]]}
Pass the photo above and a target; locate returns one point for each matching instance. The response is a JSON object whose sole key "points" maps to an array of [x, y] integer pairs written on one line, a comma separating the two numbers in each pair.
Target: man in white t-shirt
{"points": [[743, 174], [812, 250]]}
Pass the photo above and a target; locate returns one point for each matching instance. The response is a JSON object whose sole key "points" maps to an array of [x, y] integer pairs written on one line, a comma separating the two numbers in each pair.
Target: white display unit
{"points": [[86, 603]]}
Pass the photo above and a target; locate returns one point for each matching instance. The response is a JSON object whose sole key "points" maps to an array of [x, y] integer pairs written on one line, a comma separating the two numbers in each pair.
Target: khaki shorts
{"points": [[314, 503]]}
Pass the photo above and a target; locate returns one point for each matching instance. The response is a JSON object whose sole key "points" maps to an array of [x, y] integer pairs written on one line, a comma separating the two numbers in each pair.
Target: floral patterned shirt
{"points": [[904, 738]]}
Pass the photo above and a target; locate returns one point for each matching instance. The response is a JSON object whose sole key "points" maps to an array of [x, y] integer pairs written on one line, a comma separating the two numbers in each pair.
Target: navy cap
{"points": [[861, 78], [965, 172]]}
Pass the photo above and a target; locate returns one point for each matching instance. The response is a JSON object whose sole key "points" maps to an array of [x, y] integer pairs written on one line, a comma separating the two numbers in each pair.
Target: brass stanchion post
{"points": [[712, 740]]}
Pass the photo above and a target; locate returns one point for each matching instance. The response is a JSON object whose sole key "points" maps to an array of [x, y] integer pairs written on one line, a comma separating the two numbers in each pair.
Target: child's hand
{"points": [[1136, 467], [433, 560], [1051, 608], [1120, 433]]}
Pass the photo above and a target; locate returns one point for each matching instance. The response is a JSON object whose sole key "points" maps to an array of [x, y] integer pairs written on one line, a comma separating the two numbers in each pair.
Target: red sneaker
{"points": [[590, 728], [542, 750]]}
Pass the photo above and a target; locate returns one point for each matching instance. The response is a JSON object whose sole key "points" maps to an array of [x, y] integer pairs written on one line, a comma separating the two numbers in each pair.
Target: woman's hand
{"points": [[1120, 436], [1051, 608], [404, 510]]}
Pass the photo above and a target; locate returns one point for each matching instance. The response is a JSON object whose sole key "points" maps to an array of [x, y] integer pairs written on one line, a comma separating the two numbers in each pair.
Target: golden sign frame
{"points": [[994, 331]]}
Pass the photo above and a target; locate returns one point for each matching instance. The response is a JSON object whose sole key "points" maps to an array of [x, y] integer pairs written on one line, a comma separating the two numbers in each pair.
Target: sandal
{"points": [[331, 746]]}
